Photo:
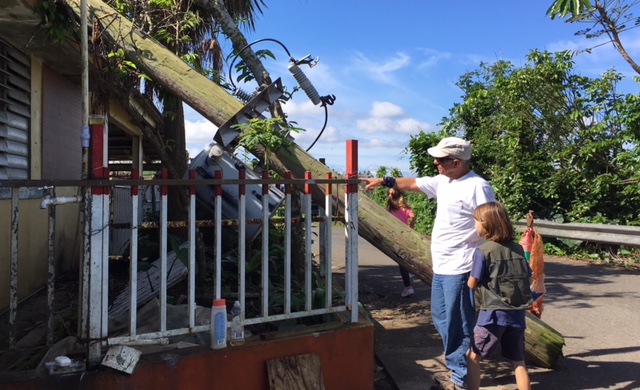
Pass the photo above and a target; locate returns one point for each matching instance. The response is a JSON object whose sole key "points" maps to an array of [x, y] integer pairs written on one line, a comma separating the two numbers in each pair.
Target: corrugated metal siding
{"points": [[15, 103]]}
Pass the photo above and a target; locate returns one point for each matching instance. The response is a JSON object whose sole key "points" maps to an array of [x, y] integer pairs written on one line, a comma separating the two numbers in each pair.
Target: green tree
{"points": [[563, 145], [608, 18], [564, 7]]}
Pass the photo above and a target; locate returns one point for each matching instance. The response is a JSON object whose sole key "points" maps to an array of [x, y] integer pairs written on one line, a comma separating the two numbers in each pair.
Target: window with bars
{"points": [[15, 113]]}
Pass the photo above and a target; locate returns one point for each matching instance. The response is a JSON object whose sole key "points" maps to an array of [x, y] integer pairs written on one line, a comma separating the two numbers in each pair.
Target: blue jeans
{"points": [[454, 316]]}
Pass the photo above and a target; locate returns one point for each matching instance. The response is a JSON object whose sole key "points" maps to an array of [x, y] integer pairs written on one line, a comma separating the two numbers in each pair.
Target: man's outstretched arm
{"points": [[407, 184]]}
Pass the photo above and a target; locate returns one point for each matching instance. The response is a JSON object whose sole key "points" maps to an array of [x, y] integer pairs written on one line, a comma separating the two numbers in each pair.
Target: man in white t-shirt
{"points": [[458, 191]]}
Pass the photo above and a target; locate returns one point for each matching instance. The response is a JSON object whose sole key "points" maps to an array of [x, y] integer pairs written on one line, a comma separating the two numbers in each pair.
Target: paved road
{"points": [[596, 309]]}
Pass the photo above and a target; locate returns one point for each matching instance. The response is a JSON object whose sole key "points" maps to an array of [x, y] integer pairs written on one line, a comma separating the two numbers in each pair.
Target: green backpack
{"points": [[505, 283]]}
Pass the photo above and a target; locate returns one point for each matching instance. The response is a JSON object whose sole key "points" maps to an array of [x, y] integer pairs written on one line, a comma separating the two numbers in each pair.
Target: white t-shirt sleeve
{"points": [[484, 194], [428, 185]]}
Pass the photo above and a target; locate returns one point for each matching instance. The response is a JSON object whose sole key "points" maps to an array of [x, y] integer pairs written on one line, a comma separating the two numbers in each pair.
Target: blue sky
{"points": [[392, 66]]}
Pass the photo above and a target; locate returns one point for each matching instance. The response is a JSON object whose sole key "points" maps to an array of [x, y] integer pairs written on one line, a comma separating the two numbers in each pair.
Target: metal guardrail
{"points": [[592, 232]]}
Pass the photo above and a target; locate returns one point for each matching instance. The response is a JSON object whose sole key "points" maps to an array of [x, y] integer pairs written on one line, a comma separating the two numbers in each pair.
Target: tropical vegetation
{"points": [[549, 140]]}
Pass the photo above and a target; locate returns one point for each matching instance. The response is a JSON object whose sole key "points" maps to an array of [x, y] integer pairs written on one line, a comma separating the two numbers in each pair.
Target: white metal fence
{"points": [[94, 301]]}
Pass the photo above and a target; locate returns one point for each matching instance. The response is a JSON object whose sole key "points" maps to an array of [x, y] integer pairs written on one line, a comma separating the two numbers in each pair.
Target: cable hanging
{"points": [[303, 82]]}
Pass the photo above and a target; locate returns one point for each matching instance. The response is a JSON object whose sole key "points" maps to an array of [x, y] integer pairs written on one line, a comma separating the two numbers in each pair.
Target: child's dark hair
{"points": [[395, 200], [496, 223]]}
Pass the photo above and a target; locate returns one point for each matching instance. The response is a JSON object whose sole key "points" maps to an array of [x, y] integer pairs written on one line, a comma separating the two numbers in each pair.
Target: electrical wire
{"points": [[326, 100], [248, 45]]}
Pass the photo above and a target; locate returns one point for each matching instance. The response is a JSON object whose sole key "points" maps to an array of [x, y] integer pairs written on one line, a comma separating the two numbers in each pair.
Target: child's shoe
{"points": [[407, 292]]}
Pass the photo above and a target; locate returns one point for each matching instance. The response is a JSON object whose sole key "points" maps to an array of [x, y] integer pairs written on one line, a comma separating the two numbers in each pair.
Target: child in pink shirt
{"points": [[401, 210]]}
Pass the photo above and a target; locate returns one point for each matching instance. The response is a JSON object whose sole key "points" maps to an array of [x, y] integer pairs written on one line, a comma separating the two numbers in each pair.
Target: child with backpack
{"points": [[502, 277]]}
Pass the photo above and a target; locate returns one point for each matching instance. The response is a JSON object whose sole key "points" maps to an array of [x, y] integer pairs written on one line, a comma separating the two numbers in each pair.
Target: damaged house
{"points": [[58, 203]]}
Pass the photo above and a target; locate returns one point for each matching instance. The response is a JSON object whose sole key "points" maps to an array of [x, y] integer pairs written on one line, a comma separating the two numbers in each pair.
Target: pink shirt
{"points": [[402, 214]]}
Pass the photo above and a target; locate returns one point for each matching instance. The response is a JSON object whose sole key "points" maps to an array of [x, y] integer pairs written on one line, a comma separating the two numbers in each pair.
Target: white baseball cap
{"points": [[452, 147]]}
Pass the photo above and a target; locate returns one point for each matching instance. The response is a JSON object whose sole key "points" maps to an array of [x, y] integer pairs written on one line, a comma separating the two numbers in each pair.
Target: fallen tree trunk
{"points": [[378, 227], [543, 344]]}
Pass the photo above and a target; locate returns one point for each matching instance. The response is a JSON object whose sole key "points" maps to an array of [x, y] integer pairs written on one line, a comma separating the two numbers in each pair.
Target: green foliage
{"points": [[184, 27], [244, 73], [57, 21], [123, 67], [552, 249], [564, 7], [270, 134], [423, 208], [549, 140], [182, 254]]}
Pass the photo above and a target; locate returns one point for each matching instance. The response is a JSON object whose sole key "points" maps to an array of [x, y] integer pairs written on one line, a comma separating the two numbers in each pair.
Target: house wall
{"points": [[55, 153], [61, 126], [33, 244]]}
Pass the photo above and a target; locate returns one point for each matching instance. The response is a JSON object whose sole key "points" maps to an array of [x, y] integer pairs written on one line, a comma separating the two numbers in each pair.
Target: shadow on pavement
{"points": [[595, 309]]}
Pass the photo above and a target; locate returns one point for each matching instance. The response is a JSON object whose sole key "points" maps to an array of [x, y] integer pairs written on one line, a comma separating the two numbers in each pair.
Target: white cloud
{"points": [[323, 79], [412, 126], [199, 133], [374, 125], [303, 107], [385, 110], [387, 144], [382, 72], [434, 57], [330, 135], [571, 45], [389, 118]]}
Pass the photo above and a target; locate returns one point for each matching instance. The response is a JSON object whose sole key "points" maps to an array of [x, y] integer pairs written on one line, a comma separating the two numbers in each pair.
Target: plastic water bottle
{"points": [[219, 324], [236, 336]]}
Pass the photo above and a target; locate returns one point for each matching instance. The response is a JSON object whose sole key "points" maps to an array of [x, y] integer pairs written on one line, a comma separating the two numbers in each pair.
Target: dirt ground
{"points": [[404, 316], [385, 306], [31, 325]]}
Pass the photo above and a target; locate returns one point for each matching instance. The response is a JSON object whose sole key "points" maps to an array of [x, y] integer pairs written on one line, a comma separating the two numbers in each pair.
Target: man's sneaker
{"points": [[443, 382], [407, 291], [446, 386], [441, 377]]}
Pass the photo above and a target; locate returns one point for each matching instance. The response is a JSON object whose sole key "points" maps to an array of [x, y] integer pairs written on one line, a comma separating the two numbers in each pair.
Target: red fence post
{"points": [[352, 164], [351, 230]]}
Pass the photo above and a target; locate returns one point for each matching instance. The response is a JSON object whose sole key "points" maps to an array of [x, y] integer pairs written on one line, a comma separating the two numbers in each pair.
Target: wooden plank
{"points": [[295, 373]]}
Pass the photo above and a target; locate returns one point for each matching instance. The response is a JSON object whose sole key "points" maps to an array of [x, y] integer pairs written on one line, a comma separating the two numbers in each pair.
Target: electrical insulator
{"points": [[242, 95], [305, 84]]}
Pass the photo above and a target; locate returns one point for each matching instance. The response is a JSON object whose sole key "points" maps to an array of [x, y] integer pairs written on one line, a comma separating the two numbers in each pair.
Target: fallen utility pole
{"points": [[396, 240]]}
